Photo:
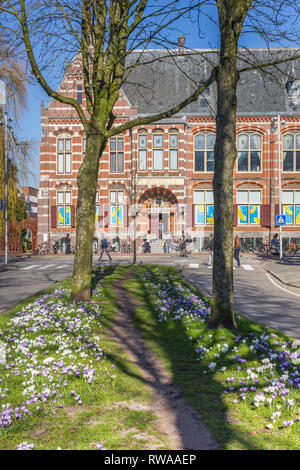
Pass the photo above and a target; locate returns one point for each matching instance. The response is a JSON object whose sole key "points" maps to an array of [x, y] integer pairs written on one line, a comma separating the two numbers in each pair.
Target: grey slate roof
{"points": [[164, 82]]}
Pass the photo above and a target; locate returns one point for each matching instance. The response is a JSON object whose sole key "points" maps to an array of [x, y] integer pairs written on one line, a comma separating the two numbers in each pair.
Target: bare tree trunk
{"points": [[134, 241], [231, 17], [85, 217]]}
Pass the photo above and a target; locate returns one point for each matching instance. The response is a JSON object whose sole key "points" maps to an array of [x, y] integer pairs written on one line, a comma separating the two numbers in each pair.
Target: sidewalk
{"points": [[12, 260], [287, 272]]}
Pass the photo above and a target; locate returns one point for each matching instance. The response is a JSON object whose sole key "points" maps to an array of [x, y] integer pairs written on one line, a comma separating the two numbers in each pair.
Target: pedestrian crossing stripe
{"points": [[30, 267], [247, 267], [41, 267], [194, 265]]}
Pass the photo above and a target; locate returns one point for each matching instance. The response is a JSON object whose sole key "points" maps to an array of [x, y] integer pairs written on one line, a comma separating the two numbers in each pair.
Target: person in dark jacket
{"points": [[211, 250], [104, 247], [68, 244]]}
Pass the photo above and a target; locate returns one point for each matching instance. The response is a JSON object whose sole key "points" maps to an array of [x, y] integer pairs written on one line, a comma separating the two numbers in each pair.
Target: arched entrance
{"points": [[161, 211]]}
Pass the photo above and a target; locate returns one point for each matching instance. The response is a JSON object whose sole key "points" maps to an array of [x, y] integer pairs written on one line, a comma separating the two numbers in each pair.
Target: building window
{"points": [[64, 208], [117, 155], [79, 93], [291, 206], [142, 151], [204, 152], [248, 203], [158, 151], [173, 151], [64, 155], [291, 152], [116, 207], [249, 152], [204, 207]]}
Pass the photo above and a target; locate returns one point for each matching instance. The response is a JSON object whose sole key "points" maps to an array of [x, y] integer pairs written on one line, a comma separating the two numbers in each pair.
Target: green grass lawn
{"points": [[211, 367], [97, 413], [66, 384]]}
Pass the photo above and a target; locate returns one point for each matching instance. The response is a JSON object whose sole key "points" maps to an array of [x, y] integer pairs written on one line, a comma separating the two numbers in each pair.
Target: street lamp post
{"points": [[276, 122], [6, 189], [279, 184], [4, 124]]}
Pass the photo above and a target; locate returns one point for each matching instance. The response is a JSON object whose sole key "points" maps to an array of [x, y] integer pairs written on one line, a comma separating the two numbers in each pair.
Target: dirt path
{"points": [[176, 418]]}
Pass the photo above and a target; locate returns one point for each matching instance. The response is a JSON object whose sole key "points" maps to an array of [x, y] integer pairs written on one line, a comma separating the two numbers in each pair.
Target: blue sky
{"points": [[29, 126]]}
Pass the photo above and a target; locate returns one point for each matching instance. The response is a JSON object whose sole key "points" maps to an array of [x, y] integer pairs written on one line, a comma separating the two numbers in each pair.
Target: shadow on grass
{"points": [[202, 390]]}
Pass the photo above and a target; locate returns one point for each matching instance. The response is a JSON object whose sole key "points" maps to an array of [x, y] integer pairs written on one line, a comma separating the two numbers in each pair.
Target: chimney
{"points": [[181, 40]]}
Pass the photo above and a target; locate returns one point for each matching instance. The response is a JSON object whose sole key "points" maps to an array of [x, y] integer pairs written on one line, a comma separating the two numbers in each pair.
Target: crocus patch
{"points": [[266, 366], [52, 353]]}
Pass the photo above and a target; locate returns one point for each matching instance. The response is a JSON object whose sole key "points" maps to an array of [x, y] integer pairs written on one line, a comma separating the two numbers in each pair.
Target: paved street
{"points": [[258, 294]]}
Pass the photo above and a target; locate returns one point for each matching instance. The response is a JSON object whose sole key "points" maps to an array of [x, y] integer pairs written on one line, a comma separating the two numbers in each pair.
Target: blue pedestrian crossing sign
{"points": [[280, 219]]}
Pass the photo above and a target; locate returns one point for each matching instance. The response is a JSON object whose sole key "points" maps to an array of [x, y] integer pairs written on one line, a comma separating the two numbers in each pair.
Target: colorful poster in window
{"points": [[96, 215], [199, 214], [242, 215], [297, 215], [120, 215], [60, 215], [288, 211], [113, 215], [209, 215], [255, 215], [68, 215]]}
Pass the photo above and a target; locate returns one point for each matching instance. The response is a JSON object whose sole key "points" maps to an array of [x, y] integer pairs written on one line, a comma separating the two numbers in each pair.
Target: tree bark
{"points": [[85, 216], [231, 17]]}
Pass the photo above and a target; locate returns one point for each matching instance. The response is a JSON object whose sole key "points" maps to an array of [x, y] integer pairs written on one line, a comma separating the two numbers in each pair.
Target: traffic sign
{"points": [[280, 219]]}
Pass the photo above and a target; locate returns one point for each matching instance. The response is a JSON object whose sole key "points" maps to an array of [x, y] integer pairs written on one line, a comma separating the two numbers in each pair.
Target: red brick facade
{"points": [[168, 186]]}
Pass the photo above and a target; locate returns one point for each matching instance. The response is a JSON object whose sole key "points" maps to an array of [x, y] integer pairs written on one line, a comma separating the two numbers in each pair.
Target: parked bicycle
{"points": [[291, 249], [44, 248], [182, 250], [54, 246], [126, 247]]}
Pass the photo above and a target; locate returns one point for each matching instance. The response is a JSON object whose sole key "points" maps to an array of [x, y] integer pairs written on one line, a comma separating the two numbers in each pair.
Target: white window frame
{"points": [[142, 149], [158, 150], [205, 151], [248, 150], [173, 149], [295, 204], [208, 200], [294, 150], [117, 152], [63, 202], [249, 202], [119, 202], [63, 155]]}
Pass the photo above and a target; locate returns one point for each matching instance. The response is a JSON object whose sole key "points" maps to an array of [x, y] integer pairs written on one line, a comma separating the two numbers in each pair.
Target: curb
{"points": [[280, 280], [7, 267]]}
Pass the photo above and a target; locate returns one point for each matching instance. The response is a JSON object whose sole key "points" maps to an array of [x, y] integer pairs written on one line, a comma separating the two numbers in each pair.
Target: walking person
{"points": [[168, 242], [275, 243], [237, 248], [68, 244], [211, 250], [104, 247]]}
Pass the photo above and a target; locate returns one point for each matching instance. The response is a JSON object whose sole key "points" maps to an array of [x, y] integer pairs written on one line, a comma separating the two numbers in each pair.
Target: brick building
{"points": [[31, 199], [169, 164]]}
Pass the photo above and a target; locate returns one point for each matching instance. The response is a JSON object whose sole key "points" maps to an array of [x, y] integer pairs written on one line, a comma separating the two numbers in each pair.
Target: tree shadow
{"points": [[202, 390]]}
